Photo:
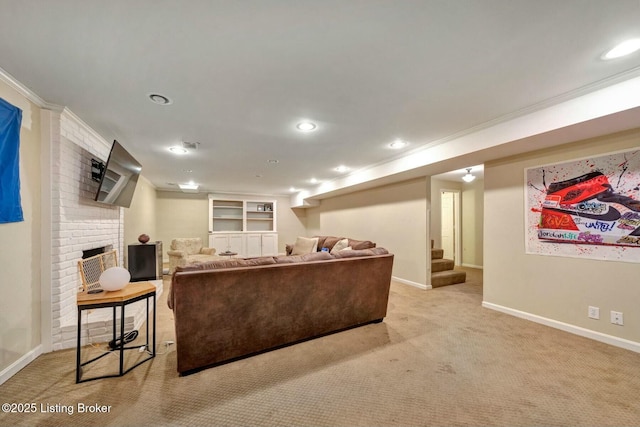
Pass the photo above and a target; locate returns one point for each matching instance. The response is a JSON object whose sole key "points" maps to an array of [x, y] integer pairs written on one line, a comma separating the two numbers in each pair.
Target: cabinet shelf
{"points": [[241, 215]]}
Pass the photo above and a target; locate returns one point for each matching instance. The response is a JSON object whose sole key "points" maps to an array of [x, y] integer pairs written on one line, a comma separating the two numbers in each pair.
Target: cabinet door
{"points": [[254, 245], [269, 244], [219, 241], [236, 244]]}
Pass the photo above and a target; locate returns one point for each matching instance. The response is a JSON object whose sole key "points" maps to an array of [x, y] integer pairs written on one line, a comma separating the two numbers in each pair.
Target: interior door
{"points": [[447, 227]]}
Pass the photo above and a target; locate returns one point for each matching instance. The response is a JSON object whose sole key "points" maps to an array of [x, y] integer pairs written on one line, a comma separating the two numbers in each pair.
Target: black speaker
{"points": [[145, 261]]}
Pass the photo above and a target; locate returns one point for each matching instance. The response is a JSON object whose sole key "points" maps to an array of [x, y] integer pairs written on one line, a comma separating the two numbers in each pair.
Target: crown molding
{"points": [[70, 115], [26, 92]]}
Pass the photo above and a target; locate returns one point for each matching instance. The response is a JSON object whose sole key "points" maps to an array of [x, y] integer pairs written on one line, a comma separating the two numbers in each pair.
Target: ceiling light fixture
{"points": [[468, 177], [189, 188], [397, 144], [306, 126], [156, 98], [292, 189], [176, 149], [625, 48], [313, 181], [341, 168]]}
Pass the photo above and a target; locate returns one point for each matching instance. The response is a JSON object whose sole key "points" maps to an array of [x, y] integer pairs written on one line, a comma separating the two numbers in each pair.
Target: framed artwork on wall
{"points": [[586, 208]]}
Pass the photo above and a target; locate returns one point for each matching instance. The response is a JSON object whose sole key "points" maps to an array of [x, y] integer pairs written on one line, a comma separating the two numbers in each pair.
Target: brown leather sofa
{"points": [[228, 309]]}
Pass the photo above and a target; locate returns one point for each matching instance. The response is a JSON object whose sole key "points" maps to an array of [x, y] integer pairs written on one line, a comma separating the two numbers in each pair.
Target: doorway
{"points": [[450, 224]]}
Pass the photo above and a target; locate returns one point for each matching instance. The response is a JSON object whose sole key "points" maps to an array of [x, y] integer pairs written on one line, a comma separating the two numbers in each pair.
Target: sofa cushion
{"points": [[330, 242], [314, 256], [360, 253], [321, 240], [305, 245], [340, 245], [361, 244]]}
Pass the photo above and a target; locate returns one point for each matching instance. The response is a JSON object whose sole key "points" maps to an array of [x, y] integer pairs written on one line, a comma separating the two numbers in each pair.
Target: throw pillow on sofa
{"points": [[304, 245], [339, 246]]}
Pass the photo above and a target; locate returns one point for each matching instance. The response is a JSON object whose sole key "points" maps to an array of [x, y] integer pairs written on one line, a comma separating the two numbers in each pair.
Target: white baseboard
{"points": [[471, 266], [410, 283], [16, 366], [576, 330]]}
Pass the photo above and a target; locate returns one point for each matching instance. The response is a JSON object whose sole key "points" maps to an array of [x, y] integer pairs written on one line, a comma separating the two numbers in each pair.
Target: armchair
{"points": [[185, 251]]}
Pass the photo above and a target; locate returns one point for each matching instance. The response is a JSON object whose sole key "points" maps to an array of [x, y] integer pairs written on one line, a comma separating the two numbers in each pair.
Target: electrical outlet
{"points": [[616, 318], [594, 312]]}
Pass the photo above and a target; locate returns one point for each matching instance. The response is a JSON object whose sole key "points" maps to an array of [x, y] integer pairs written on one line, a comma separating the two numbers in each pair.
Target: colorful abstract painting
{"points": [[585, 208]]}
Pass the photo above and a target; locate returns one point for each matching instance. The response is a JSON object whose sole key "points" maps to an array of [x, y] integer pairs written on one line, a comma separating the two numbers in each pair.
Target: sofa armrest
{"points": [[179, 254], [208, 251]]}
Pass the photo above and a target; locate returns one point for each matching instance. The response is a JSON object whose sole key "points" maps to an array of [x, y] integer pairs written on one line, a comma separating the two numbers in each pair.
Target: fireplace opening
{"points": [[88, 253]]}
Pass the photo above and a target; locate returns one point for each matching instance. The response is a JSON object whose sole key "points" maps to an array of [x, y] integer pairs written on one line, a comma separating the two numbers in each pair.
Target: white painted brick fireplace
{"points": [[79, 223]]}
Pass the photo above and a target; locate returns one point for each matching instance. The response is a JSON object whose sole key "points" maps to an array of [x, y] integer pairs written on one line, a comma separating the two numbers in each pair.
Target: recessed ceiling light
{"points": [[627, 47], [397, 144], [156, 98], [292, 189], [306, 126], [314, 181], [341, 168], [176, 149]]}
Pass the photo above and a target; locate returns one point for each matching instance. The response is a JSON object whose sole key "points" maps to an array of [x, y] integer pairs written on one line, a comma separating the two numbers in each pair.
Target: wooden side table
{"points": [[129, 294]]}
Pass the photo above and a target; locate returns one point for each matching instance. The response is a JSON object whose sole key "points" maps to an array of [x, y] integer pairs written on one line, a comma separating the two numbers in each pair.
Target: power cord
{"points": [[128, 337], [167, 344]]}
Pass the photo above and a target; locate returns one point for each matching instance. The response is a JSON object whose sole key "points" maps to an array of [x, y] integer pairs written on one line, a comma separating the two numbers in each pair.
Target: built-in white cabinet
{"points": [[269, 244], [229, 215], [246, 245], [244, 226], [261, 244], [227, 242]]}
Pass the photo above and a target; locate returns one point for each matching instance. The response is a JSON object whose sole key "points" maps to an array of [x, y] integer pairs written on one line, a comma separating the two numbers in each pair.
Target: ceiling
{"points": [[242, 74]]}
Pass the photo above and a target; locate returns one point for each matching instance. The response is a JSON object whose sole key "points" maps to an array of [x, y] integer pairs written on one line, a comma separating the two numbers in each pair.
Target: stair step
{"points": [[441, 265], [437, 253], [450, 277]]}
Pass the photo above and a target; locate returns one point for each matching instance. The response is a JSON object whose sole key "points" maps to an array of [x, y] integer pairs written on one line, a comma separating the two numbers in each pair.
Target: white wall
{"points": [[393, 216], [181, 215], [472, 223], [140, 217], [555, 290], [20, 258]]}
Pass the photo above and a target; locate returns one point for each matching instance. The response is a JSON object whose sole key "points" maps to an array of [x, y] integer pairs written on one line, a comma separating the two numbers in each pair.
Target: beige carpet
{"points": [[439, 358]]}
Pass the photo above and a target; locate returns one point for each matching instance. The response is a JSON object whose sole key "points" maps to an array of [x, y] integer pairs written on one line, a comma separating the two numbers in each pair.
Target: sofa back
{"points": [[225, 313]]}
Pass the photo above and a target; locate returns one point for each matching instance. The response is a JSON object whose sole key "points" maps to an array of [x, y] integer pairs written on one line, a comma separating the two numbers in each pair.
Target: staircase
{"points": [[442, 273]]}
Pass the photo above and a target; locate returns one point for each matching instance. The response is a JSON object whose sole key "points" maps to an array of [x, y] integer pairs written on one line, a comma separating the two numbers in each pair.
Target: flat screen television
{"points": [[119, 177]]}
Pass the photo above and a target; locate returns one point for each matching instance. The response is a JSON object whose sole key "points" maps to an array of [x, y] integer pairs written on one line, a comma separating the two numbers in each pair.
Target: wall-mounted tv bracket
{"points": [[97, 169]]}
